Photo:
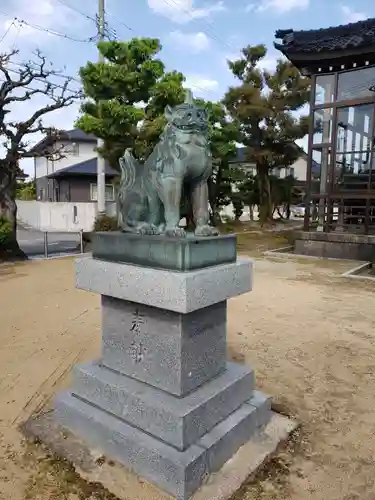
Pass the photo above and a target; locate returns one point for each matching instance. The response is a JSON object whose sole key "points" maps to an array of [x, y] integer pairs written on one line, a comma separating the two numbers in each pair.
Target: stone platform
{"points": [[95, 467], [179, 254], [162, 399], [335, 245]]}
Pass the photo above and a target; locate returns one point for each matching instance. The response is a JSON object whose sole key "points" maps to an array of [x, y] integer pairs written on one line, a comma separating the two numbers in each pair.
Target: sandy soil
{"points": [[308, 333]]}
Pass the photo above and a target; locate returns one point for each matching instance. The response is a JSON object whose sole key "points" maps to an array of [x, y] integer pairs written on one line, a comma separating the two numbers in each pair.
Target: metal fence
{"points": [[54, 245]]}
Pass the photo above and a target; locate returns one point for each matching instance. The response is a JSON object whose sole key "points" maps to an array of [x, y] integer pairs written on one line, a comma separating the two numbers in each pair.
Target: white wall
{"points": [[85, 151], [299, 166], [300, 170], [56, 216]]}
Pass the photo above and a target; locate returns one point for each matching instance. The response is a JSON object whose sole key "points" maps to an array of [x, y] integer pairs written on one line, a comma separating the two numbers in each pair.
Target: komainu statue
{"points": [[150, 193]]}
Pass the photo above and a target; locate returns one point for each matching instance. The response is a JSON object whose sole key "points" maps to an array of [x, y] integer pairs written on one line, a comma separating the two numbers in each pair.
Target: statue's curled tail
{"points": [[130, 195], [131, 171]]}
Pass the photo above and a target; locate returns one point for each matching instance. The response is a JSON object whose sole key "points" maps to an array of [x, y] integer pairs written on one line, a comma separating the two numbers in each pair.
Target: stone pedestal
{"points": [[162, 399]]}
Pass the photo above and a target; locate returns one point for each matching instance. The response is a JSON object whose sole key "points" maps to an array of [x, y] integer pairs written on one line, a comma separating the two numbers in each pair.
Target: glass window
{"points": [[75, 149], [355, 128], [324, 89], [322, 126], [321, 159], [352, 163], [356, 84], [109, 192]]}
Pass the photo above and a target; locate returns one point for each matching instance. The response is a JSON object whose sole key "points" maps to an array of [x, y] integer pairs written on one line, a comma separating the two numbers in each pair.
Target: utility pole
{"points": [[100, 160]]}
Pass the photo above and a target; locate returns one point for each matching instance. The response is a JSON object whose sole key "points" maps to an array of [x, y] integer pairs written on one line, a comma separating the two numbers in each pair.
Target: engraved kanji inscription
{"points": [[137, 352], [137, 321]]}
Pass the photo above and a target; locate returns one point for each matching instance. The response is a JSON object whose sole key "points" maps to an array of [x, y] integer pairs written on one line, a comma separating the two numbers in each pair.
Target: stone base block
{"points": [[172, 351], [179, 473], [181, 292], [179, 422]]}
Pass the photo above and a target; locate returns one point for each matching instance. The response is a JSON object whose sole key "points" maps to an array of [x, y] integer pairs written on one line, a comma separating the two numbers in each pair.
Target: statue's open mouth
{"points": [[192, 128]]}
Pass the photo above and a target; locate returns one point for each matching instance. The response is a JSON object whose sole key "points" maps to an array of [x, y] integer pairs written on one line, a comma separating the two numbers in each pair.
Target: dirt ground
{"points": [[309, 334]]}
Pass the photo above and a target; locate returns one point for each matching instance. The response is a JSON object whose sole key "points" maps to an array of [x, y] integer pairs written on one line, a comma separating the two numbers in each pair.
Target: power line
{"points": [[107, 30], [7, 31], [19, 22], [201, 88], [95, 19], [18, 27], [214, 37], [39, 79], [120, 22], [55, 74], [22, 22], [55, 33]]}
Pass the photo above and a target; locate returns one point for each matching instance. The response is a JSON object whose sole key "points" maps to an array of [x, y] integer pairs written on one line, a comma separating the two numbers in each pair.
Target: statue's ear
{"points": [[168, 113]]}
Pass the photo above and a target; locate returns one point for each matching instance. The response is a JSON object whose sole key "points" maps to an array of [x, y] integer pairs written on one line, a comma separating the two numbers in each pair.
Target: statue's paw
{"points": [[152, 229], [147, 229], [175, 232], [206, 231], [161, 229]]}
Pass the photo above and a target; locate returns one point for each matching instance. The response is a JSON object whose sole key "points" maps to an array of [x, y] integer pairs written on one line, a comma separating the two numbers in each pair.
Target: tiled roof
{"points": [[348, 36], [88, 167], [74, 135]]}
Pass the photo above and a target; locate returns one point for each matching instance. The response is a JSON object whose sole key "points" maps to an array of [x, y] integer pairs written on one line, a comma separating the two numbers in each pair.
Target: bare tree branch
{"points": [[60, 96], [30, 71]]}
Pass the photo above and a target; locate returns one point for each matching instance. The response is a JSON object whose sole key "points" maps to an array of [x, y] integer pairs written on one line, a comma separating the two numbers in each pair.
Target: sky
{"points": [[198, 36]]}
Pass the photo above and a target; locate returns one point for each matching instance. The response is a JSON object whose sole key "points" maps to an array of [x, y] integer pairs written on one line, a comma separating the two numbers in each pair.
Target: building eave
{"points": [[62, 135], [304, 48]]}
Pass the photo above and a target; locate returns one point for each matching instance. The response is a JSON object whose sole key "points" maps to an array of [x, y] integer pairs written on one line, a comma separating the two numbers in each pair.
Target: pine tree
{"points": [[126, 97], [264, 104], [222, 136]]}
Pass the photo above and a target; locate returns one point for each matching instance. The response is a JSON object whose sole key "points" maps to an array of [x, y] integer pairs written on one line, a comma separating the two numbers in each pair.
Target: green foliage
{"points": [[105, 223], [126, 97], [247, 188], [26, 190], [222, 136], [264, 105], [5, 230]]}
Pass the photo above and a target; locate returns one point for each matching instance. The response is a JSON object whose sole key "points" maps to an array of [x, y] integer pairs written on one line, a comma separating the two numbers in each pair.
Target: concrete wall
{"points": [[69, 216], [73, 153], [335, 245], [65, 217]]}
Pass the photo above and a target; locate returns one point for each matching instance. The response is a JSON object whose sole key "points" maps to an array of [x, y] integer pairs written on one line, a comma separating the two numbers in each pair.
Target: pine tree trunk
{"points": [[265, 204], [9, 249]]}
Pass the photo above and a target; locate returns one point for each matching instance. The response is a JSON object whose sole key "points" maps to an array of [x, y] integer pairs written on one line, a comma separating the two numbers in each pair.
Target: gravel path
{"points": [[308, 333]]}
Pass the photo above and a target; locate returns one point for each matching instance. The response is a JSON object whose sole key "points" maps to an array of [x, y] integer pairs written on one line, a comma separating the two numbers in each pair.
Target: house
{"points": [[298, 170], [72, 176]]}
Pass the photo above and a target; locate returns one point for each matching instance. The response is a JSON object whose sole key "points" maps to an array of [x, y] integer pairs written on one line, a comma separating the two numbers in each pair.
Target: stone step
{"points": [[179, 473], [179, 422]]}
